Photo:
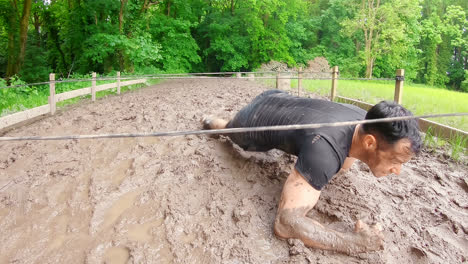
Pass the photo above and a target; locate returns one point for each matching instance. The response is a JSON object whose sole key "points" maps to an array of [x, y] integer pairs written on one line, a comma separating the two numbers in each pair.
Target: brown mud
{"points": [[198, 199]]}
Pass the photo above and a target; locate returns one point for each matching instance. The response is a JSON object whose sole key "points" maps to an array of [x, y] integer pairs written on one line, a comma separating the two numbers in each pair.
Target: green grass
{"points": [[419, 99], [457, 147]]}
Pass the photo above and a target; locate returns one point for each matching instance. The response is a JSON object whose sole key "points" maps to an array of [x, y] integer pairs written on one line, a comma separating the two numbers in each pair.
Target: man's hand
{"points": [[369, 238]]}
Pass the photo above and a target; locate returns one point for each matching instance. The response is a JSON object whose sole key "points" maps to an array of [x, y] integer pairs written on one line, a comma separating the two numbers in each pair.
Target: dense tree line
{"points": [[368, 38]]}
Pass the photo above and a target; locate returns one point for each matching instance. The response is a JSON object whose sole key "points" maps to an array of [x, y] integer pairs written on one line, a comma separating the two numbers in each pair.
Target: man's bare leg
{"points": [[298, 198]]}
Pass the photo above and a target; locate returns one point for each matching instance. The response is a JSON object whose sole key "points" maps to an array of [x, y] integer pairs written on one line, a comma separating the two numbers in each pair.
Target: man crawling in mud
{"points": [[322, 153]]}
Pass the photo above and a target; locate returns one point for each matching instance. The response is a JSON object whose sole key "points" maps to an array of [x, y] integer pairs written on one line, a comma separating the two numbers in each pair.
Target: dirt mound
{"points": [[198, 199], [275, 66], [316, 68], [319, 64]]}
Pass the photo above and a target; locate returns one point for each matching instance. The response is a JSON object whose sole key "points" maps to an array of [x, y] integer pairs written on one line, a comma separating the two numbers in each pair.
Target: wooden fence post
{"points": [[118, 82], [52, 93], [93, 87], [334, 83], [299, 81], [277, 80], [399, 79], [238, 74]]}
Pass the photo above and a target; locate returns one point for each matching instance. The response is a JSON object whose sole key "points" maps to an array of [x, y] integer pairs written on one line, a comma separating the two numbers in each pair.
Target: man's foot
{"points": [[206, 122], [216, 123]]}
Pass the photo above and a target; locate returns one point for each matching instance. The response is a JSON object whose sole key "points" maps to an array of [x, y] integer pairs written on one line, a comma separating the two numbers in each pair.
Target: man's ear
{"points": [[370, 142]]}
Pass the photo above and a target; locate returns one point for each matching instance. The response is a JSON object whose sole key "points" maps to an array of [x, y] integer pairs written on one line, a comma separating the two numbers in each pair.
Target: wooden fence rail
{"points": [[283, 81], [54, 98]]}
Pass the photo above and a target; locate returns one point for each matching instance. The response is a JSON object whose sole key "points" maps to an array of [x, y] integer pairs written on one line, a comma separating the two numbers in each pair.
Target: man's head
{"points": [[388, 145]]}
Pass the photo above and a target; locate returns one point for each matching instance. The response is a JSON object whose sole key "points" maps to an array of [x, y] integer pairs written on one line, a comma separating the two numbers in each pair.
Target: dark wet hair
{"points": [[391, 132]]}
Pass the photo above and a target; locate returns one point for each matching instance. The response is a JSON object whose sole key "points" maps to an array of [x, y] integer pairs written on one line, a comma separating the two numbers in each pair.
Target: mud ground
{"points": [[198, 199]]}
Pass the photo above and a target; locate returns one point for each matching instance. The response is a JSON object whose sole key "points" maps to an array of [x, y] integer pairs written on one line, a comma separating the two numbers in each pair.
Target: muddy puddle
{"points": [[198, 199]]}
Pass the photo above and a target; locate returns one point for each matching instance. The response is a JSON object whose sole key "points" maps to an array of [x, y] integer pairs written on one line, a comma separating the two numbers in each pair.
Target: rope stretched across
{"points": [[228, 130]]}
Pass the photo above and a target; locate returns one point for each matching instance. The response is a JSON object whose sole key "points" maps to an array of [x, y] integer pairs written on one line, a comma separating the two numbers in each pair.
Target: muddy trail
{"points": [[198, 199]]}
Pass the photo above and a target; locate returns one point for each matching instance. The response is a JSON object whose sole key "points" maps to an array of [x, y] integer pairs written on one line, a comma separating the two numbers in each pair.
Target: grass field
{"points": [[419, 99]]}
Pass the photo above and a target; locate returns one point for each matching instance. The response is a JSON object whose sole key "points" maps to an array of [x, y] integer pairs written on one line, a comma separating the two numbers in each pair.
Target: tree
{"points": [[384, 27], [455, 25], [331, 41], [430, 40], [17, 21]]}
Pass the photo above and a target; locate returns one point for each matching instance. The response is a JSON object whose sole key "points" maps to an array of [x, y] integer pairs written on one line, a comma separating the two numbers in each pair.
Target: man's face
{"points": [[388, 159]]}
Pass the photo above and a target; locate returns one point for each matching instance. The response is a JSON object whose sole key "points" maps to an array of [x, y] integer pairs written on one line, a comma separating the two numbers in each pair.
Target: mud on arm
{"points": [[298, 198]]}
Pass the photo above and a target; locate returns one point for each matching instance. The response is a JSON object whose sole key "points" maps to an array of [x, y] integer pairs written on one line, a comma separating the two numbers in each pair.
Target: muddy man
{"points": [[322, 153]]}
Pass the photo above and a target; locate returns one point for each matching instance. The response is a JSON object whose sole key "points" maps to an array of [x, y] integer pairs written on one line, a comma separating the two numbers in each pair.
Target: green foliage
{"points": [[229, 46], [35, 67], [334, 43], [430, 140], [178, 48], [427, 38], [142, 50], [12, 98], [464, 84], [390, 31], [107, 43], [430, 39], [298, 33], [455, 24]]}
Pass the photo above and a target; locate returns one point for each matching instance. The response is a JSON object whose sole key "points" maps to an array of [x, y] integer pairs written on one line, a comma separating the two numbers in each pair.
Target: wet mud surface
{"points": [[199, 199]]}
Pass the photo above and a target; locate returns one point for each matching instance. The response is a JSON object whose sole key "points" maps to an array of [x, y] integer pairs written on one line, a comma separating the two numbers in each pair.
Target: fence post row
{"points": [[93, 87], [334, 83], [52, 101], [399, 79], [118, 82], [52, 93], [299, 81], [277, 80]]}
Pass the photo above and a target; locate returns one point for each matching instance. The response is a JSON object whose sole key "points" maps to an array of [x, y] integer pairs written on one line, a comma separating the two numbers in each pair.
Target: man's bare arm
{"points": [[298, 198]]}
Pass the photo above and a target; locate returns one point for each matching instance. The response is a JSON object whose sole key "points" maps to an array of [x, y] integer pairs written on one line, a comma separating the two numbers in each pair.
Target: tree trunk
{"points": [[12, 30], [168, 8], [122, 7], [120, 52], [371, 34], [368, 53], [143, 7], [11, 66], [232, 7], [24, 23], [358, 46], [37, 28], [147, 4], [369, 67]]}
